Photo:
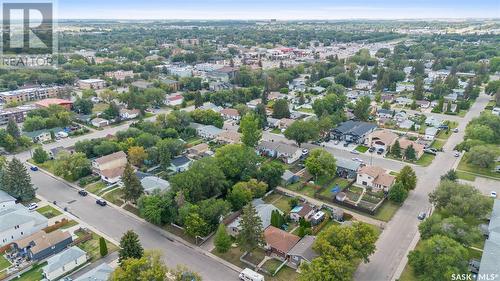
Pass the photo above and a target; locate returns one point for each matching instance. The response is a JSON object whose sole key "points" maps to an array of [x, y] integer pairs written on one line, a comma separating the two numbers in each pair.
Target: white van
{"points": [[249, 275]]}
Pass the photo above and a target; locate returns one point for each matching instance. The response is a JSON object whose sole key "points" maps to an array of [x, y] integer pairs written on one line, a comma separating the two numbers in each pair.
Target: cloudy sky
{"points": [[279, 9]]}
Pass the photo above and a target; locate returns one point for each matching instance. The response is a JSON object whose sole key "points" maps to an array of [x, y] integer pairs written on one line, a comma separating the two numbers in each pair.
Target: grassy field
{"points": [[115, 196], [276, 131], [466, 167], [4, 263], [132, 209], [408, 274], [47, 165], [306, 110], [232, 256], [341, 182], [386, 211], [71, 223], [465, 176], [256, 257], [34, 274], [362, 148], [48, 211], [100, 107], [96, 187], [425, 160], [438, 144], [271, 265], [92, 247], [286, 273]]}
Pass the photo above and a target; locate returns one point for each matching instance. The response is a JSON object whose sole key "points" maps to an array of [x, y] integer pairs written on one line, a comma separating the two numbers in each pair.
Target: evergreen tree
{"points": [[198, 99], [251, 233], [132, 188], [410, 153], [222, 240], [13, 129], [396, 149], [130, 247], [40, 155], [17, 182], [103, 248], [277, 219]]}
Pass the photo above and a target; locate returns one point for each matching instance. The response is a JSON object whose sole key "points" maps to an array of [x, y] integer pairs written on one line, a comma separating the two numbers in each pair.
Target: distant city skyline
{"points": [[277, 9]]}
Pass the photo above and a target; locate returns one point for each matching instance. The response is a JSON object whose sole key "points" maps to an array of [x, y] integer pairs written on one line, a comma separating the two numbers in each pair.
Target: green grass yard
{"points": [[465, 176], [34, 274], [286, 273], [475, 170], [48, 211], [115, 196], [362, 148], [232, 256], [99, 107], [92, 247], [4, 263], [271, 265], [386, 211], [96, 187], [426, 159]]}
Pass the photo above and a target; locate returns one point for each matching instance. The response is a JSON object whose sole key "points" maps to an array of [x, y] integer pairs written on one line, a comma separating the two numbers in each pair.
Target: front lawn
{"points": [[465, 176], [286, 273], [387, 211], [48, 211], [256, 256], [271, 265], [92, 247], [276, 131], [96, 187], [4, 263], [34, 274], [99, 107], [438, 144], [115, 196], [48, 165], [362, 148], [475, 170], [426, 159], [307, 189], [232, 256]]}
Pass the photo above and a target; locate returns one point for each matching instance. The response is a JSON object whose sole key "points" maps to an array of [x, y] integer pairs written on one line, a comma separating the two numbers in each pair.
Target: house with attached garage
{"points": [[302, 251], [404, 143], [16, 222], [180, 164], [208, 132], [110, 167], [352, 131], [375, 177], [64, 262], [99, 122], [279, 242], [381, 139], [286, 152], [385, 113]]}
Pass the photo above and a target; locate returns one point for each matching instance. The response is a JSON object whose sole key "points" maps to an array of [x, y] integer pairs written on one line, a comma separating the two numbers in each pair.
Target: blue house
{"points": [[41, 245]]}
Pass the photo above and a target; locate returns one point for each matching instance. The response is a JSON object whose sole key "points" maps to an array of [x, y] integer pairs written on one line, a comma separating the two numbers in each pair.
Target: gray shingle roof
{"points": [[5, 197], [304, 248], [348, 164], [100, 273], [151, 183], [63, 258], [17, 215], [490, 263]]}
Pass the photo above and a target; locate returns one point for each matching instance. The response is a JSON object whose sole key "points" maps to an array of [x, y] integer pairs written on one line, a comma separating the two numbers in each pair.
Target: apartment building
{"points": [[31, 94]]}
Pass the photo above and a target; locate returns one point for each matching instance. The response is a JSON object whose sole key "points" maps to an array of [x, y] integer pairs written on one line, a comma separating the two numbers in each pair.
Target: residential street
{"points": [[393, 244]]}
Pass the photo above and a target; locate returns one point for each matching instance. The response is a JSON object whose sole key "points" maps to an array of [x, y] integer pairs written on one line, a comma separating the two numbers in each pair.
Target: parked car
{"points": [[354, 151], [32, 206], [456, 154], [346, 144], [372, 149], [380, 151], [455, 130], [493, 194], [422, 216], [83, 192], [305, 151], [101, 202], [34, 168], [430, 151], [336, 142]]}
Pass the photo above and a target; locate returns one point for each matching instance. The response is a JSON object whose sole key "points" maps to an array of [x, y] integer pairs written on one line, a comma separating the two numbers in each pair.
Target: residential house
{"points": [[16, 222], [317, 218], [285, 123], [353, 131], [127, 114], [119, 74], [423, 103], [99, 273], [229, 137], [274, 123], [43, 135], [264, 212], [253, 103], [173, 84], [404, 86], [199, 150], [375, 177], [289, 178], [302, 251], [64, 262], [301, 211], [41, 245], [385, 113], [99, 122], [490, 263], [230, 114], [6, 201], [403, 101], [110, 167], [180, 164], [406, 124], [347, 168], [211, 106], [404, 143], [286, 152], [153, 184], [91, 84], [174, 99], [208, 132], [433, 121], [279, 242], [382, 139], [276, 96], [430, 133]]}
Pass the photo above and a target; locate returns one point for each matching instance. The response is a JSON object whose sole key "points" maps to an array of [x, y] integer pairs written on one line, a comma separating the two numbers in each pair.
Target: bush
{"points": [[103, 248]]}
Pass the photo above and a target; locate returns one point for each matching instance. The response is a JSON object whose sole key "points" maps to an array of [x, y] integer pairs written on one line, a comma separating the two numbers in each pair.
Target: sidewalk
{"points": [[317, 202]]}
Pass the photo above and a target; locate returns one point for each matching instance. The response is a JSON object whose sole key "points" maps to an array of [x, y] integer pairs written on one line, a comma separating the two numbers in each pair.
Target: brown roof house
{"points": [[229, 137], [375, 177], [110, 167], [301, 211], [279, 242], [404, 143], [230, 114], [40, 245], [199, 151], [381, 139]]}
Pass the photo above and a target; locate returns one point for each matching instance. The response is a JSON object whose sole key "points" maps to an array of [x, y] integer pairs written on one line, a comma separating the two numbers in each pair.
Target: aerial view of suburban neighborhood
{"points": [[250, 140]]}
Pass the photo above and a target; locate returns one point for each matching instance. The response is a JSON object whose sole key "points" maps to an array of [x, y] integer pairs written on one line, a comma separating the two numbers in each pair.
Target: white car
{"points": [[32, 206], [358, 159], [457, 154], [493, 194]]}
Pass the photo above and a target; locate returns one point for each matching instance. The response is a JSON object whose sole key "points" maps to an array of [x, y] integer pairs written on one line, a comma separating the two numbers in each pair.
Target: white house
{"points": [[375, 177], [127, 114], [430, 133], [6, 200], [174, 99], [230, 114], [208, 132], [17, 222], [64, 262], [99, 122], [286, 152]]}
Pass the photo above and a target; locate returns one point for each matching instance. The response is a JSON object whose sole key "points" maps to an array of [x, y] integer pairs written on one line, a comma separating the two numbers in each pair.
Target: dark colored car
{"points": [[34, 168], [380, 151], [346, 144], [422, 216], [101, 202], [83, 192], [372, 149]]}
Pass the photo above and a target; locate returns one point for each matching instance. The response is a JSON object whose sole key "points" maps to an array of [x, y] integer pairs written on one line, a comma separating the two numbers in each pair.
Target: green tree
{"points": [[410, 153], [132, 188], [437, 258], [345, 80], [40, 155], [281, 109], [302, 131], [16, 181], [251, 130], [327, 268], [13, 129], [407, 178], [237, 162], [157, 208], [277, 219], [386, 105], [361, 109], [453, 227], [83, 106], [480, 156], [239, 196], [396, 149], [72, 166], [130, 247], [398, 193], [145, 268], [195, 225], [222, 240], [270, 173], [321, 163], [103, 248], [451, 175], [251, 234]]}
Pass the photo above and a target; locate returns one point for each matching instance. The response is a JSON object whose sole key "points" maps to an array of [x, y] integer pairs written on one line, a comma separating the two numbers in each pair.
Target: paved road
{"points": [[396, 240], [114, 223]]}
